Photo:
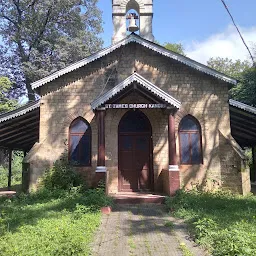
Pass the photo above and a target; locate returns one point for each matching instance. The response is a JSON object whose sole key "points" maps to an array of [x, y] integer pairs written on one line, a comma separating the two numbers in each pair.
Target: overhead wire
{"points": [[241, 36]]}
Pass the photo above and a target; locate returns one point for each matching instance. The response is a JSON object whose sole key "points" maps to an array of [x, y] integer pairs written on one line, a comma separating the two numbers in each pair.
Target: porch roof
{"points": [[145, 85], [243, 123], [19, 129]]}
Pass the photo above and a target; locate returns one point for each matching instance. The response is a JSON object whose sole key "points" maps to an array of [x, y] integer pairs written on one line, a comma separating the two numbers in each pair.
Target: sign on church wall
{"points": [[135, 105]]}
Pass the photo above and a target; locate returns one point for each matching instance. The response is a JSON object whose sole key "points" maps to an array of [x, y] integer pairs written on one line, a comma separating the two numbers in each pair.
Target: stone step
{"points": [[138, 198], [8, 194]]}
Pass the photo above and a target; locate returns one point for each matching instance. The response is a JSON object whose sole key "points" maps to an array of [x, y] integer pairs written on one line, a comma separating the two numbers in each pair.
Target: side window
{"points": [[190, 141], [80, 142]]}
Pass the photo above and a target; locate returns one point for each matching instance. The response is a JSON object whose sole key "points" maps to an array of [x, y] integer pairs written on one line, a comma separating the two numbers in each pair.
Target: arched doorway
{"points": [[135, 152]]}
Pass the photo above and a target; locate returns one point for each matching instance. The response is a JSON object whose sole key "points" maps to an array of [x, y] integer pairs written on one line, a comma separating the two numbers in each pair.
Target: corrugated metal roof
{"points": [[133, 38], [19, 111], [243, 123], [242, 106], [135, 77]]}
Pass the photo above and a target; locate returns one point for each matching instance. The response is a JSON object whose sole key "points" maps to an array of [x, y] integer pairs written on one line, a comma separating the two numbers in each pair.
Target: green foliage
{"points": [[185, 250], [16, 170], [6, 104], [62, 176], [169, 224], [178, 48], [221, 222], [40, 37], [245, 91], [228, 66], [96, 198], [49, 222], [174, 47]]}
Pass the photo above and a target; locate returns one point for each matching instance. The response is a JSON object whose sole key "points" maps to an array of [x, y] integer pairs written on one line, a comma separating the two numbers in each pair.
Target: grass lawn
{"points": [[223, 223], [50, 222]]}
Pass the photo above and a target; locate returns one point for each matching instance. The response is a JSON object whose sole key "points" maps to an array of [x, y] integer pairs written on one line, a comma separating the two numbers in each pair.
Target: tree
{"points": [[228, 66], [6, 104], [174, 47], [245, 91], [40, 37], [178, 48]]}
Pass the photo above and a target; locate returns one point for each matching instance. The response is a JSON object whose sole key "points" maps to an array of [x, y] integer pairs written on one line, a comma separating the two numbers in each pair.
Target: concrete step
{"points": [[8, 194], [138, 198]]}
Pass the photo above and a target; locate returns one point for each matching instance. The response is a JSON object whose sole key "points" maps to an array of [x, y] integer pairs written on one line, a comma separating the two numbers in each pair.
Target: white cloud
{"points": [[227, 44]]}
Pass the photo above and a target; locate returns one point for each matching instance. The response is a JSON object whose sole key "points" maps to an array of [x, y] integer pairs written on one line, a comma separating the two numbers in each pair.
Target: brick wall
{"points": [[69, 96]]}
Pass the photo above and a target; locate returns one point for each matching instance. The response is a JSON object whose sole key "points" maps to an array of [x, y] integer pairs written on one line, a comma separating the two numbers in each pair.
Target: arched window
{"points": [[80, 142], [190, 141]]}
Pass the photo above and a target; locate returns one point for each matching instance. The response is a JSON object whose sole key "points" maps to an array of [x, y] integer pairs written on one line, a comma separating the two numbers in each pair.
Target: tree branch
{"points": [[40, 34], [32, 4], [7, 18]]}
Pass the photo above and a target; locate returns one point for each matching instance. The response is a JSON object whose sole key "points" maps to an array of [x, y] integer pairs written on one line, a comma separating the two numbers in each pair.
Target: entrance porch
{"points": [[136, 135]]}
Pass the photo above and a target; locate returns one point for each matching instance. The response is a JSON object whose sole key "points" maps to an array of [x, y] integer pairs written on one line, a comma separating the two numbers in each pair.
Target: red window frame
{"points": [[190, 146], [87, 133]]}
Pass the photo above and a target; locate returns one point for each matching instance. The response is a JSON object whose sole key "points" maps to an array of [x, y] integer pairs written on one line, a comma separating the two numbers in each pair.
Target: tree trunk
{"points": [[31, 93]]}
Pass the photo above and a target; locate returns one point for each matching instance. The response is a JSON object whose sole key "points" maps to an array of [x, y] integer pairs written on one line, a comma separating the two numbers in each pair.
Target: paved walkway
{"points": [[142, 230]]}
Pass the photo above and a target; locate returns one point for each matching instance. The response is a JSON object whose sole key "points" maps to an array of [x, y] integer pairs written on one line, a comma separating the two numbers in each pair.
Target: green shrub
{"points": [[62, 176], [96, 198], [223, 223]]}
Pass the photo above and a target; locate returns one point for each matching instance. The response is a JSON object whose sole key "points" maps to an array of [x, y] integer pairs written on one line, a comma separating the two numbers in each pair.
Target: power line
{"points": [[238, 30]]}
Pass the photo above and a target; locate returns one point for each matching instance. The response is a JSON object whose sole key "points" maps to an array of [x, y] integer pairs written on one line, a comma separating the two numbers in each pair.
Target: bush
{"points": [[62, 176], [221, 222], [96, 198]]}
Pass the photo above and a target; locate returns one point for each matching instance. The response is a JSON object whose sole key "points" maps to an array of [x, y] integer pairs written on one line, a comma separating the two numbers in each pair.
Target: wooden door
{"points": [[134, 152]]}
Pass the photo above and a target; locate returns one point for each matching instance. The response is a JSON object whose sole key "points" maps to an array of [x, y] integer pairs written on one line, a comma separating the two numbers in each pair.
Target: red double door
{"points": [[135, 157]]}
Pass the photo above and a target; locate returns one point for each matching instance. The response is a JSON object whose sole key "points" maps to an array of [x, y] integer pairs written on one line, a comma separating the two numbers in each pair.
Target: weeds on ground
{"points": [[52, 221], [185, 250], [223, 223]]}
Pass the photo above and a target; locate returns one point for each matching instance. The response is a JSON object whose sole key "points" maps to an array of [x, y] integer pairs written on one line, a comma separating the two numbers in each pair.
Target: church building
{"points": [[136, 115]]}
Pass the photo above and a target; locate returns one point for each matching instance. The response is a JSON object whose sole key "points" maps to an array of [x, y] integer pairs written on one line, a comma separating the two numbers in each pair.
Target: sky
{"points": [[203, 27]]}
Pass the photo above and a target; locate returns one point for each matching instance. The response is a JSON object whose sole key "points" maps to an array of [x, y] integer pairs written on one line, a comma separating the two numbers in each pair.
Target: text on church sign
{"points": [[136, 105]]}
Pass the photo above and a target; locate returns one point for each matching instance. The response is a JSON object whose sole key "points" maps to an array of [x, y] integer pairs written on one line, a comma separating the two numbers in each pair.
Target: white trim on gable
{"points": [[135, 77], [133, 38]]}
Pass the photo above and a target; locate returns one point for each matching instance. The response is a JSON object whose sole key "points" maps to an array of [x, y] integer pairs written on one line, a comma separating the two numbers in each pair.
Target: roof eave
{"points": [[19, 111], [242, 106]]}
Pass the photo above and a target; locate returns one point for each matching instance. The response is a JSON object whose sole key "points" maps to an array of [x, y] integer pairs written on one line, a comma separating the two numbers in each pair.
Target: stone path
{"points": [[142, 230]]}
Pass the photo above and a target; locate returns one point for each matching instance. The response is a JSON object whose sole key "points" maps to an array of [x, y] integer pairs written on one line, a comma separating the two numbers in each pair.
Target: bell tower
{"points": [[120, 9]]}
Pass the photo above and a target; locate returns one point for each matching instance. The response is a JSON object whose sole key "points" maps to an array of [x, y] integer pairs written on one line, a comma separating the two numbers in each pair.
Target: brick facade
{"points": [[201, 95]]}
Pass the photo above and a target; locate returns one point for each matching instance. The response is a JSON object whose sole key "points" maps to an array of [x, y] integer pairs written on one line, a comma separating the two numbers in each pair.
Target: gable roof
{"points": [[133, 38], [135, 77]]}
